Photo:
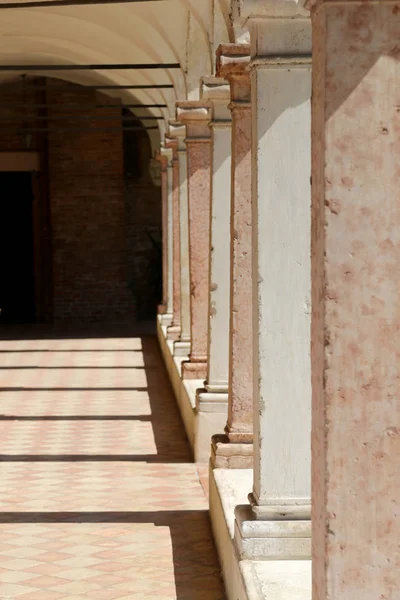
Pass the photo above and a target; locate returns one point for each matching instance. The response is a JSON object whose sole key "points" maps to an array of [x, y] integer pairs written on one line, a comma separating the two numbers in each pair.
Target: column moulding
{"points": [[196, 117], [234, 449]]}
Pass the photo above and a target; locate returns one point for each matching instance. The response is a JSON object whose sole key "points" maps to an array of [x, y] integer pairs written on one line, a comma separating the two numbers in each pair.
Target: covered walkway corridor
{"points": [[100, 497]]}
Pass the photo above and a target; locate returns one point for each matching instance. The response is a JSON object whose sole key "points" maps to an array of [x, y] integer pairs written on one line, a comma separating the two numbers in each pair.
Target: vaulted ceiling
{"points": [[145, 31]]}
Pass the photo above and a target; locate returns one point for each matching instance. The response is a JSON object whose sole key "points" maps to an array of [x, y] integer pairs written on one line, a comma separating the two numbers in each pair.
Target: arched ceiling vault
{"points": [[169, 31]]}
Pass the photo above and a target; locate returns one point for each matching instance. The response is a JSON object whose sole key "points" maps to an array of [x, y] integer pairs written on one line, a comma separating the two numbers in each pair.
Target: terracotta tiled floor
{"points": [[99, 497]]}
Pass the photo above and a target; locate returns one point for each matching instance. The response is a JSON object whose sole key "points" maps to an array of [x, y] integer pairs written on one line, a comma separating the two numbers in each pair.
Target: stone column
{"points": [[216, 92], [234, 450], [196, 116], [276, 525], [212, 399], [168, 153], [177, 131], [355, 260], [162, 308], [174, 330]]}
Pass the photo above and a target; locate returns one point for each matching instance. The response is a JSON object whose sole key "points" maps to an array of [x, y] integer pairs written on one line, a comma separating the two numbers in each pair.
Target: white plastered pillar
{"points": [[216, 91], [212, 400], [167, 152], [177, 131], [276, 524]]}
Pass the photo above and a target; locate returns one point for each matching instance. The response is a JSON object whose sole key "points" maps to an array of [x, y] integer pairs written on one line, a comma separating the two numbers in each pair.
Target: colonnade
{"points": [[280, 308]]}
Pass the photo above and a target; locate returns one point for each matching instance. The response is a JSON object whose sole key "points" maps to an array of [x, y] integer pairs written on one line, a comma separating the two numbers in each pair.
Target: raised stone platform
{"points": [[250, 579], [202, 419], [276, 579]]}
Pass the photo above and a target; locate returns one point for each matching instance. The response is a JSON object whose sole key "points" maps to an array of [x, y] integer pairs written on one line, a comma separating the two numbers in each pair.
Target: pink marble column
{"points": [[355, 346], [174, 329], [235, 449], [196, 116], [162, 308]]}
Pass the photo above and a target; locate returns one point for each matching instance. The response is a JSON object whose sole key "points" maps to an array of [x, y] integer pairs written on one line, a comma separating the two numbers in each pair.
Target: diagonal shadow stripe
{"points": [[147, 458], [148, 418]]}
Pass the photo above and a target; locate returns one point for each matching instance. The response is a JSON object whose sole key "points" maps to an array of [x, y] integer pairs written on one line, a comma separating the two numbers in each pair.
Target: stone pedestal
{"points": [[235, 448], [277, 523], [174, 330], [355, 300], [196, 116]]}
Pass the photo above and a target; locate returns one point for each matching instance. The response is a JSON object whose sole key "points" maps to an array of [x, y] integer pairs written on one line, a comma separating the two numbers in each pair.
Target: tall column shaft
{"points": [[281, 278], [356, 302], [216, 91], [162, 309], [234, 449], [281, 124], [196, 117], [170, 246], [184, 238], [177, 132], [175, 328]]}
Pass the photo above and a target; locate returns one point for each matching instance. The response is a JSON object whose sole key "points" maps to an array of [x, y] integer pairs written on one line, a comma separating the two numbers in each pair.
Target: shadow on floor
{"points": [[196, 570], [168, 430], [195, 564]]}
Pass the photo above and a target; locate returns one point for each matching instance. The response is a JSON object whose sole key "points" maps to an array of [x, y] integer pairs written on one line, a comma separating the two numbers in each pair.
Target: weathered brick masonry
{"points": [[95, 228]]}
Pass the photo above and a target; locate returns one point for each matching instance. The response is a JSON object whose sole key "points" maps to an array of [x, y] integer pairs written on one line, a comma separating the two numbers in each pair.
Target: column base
{"points": [[226, 454], [257, 539], [204, 396], [161, 309], [211, 414], [192, 369], [165, 318], [173, 332], [219, 388], [181, 348]]}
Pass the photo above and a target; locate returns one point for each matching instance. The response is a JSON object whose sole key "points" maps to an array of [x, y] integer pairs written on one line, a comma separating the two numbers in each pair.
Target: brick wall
{"points": [[97, 229], [143, 219], [87, 212]]}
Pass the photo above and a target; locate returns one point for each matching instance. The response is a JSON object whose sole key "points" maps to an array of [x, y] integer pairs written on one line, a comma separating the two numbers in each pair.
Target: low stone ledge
{"points": [[250, 579], [201, 419], [276, 579]]}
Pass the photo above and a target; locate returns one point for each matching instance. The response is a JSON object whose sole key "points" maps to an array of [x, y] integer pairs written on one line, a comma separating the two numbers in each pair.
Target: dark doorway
{"points": [[17, 280]]}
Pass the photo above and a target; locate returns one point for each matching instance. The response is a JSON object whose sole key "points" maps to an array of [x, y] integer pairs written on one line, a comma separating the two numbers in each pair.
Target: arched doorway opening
{"points": [[75, 168]]}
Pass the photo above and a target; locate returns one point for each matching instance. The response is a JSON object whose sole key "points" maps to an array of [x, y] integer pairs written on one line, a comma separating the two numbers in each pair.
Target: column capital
{"points": [[172, 144], [261, 9], [232, 64], [177, 131], [277, 27], [196, 116], [232, 60], [162, 159], [167, 153], [216, 91]]}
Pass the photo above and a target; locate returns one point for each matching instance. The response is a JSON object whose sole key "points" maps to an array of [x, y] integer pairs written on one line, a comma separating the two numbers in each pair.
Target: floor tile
{"points": [[101, 499]]}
